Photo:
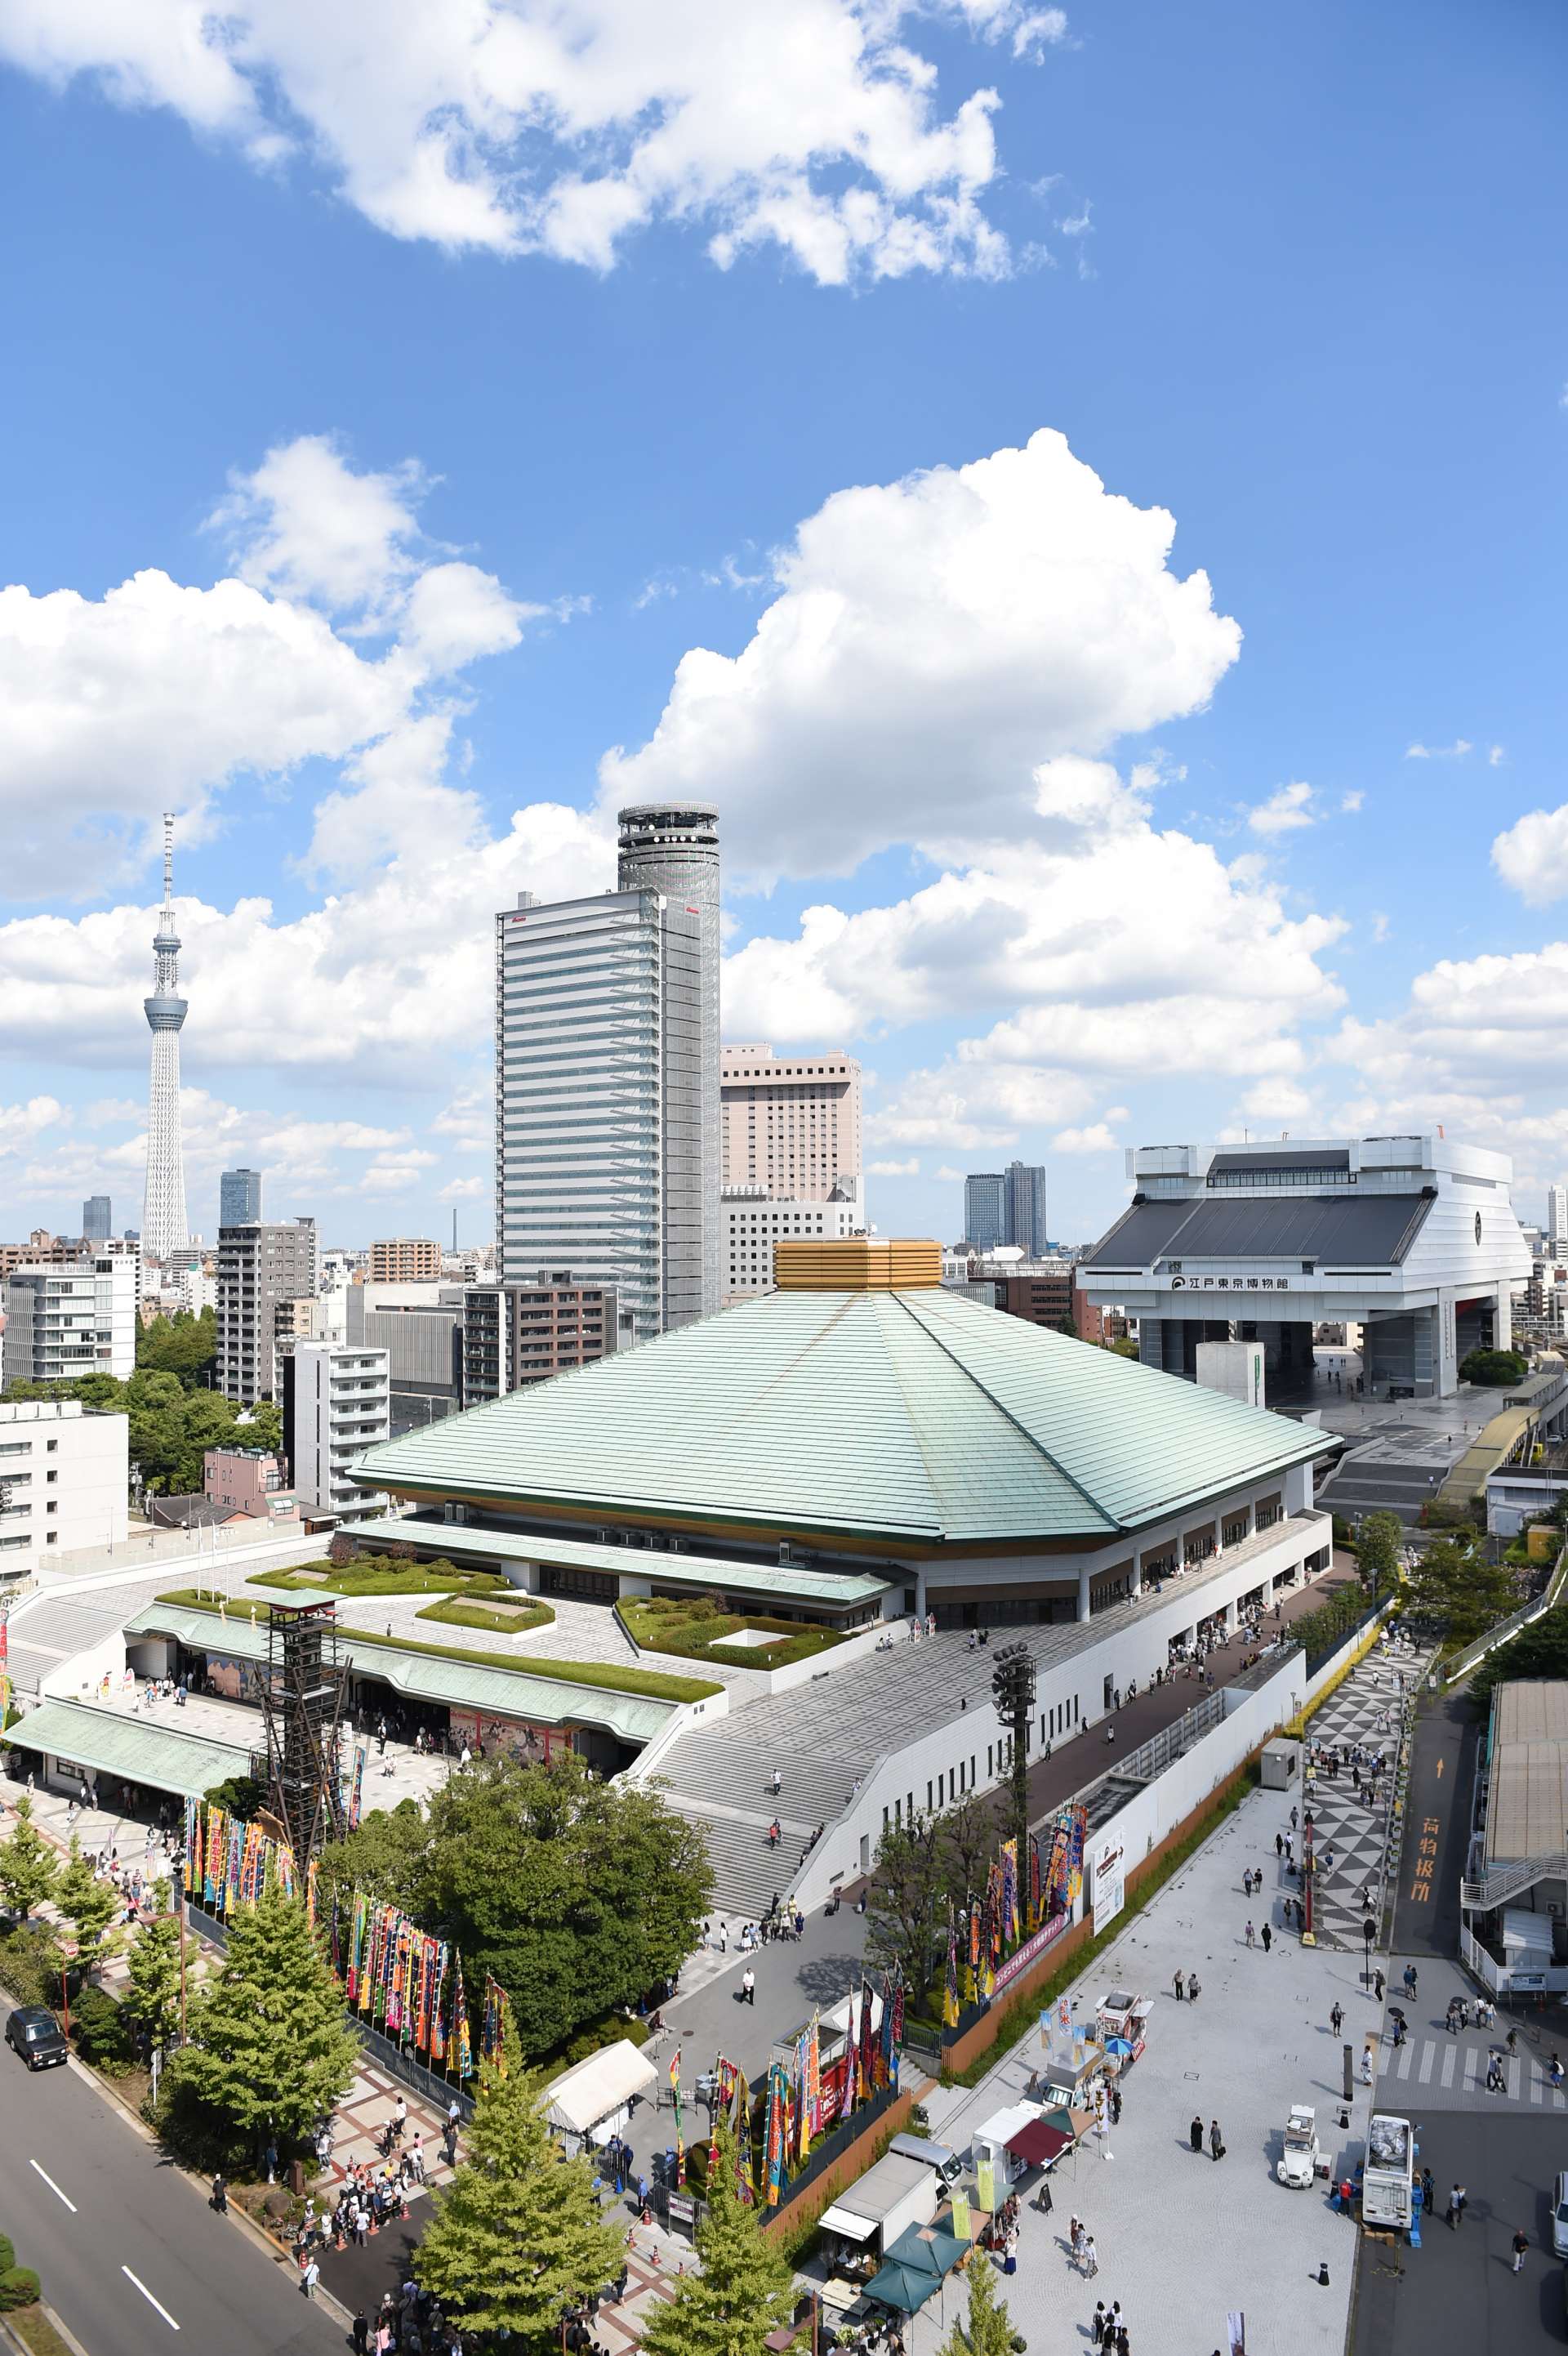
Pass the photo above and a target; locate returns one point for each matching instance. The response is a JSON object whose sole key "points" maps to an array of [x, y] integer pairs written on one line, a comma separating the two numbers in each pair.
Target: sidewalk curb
{"points": [[14, 2345]]}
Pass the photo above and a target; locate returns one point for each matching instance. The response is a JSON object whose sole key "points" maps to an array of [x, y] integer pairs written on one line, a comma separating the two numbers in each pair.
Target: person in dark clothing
{"points": [[220, 2196], [1195, 2132], [361, 2332], [1216, 2142], [1267, 1938]]}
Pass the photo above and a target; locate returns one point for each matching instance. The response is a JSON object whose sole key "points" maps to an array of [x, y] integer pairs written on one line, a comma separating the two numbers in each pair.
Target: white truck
{"points": [[1297, 2164], [1387, 2174]]}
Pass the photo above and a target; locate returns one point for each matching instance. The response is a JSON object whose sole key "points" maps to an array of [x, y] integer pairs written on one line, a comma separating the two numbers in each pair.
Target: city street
{"points": [[129, 2253]]}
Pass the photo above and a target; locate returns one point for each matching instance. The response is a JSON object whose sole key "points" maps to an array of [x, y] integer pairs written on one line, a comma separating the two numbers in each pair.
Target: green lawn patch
{"points": [[653, 1683], [202, 1598], [528, 1615], [695, 1628], [34, 2329], [384, 1575]]}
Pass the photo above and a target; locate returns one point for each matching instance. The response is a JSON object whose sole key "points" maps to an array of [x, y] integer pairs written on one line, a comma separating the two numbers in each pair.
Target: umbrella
{"points": [[1061, 2116], [1118, 2045]]}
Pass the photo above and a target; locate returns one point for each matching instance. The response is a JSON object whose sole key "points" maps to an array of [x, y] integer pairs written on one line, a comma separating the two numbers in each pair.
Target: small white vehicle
{"points": [[1298, 2166]]}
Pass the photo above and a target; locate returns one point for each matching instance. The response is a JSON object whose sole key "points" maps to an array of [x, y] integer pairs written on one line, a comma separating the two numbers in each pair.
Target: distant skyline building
{"points": [[1006, 1206], [790, 1123], [984, 1209], [259, 1267], [97, 1219], [1556, 1212], [1025, 1208], [164, 1227], [607, 1151], [238, 1198], [404, 1259]]}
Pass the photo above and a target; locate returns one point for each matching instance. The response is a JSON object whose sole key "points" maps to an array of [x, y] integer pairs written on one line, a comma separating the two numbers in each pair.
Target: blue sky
{"points": [[376, 464]]}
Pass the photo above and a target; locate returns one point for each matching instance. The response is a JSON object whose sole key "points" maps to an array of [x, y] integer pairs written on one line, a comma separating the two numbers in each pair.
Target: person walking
{"points": [[361, 2330], [1279, 1844], [1267, 1938], [1097, 2324], [416, 2157], [1090, 2257], [1195, 2132], [1193, 1990], [1216, 2141], [1178, 1988], [220, 2196], [1337, 2017], [749, 1986], [1451, 2214], [310, 2275], [1250, 1934], [1521, 2245]]}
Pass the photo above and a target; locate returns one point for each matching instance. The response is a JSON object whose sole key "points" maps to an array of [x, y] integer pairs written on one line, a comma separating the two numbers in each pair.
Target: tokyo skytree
{"points": [[163, 1212]]}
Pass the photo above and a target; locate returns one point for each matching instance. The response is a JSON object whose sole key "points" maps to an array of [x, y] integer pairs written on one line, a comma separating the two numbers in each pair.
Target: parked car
{"points": [[1560, 2213], [34, 2034]]}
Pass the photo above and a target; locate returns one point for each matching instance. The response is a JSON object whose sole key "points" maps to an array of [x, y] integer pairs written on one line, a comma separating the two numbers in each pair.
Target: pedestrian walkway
{"points": [[1182, 2241], [1364, 1714]]}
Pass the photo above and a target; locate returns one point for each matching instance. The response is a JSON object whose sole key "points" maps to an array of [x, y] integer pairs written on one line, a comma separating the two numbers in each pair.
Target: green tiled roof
{"points": [[914, 1415], [802, 1583], [113, 1742], [462, 1685]]}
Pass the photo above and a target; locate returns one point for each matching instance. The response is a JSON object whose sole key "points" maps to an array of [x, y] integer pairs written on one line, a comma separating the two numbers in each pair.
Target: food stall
{"points": [[1121, 2024], [993, 2141], [863, 2222]]}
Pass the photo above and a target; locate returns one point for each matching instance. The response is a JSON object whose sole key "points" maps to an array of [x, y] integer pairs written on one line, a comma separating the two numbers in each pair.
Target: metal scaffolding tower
{"points": [[302, 1702]]}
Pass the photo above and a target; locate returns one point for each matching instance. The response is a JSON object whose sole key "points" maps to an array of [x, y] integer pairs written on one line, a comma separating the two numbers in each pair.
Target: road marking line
{"points": [[1428, 2055], [147, 2295], [1406, 2056], [1514, 2071], [1448, 2061], [1472, 2071], [54, 2188]]}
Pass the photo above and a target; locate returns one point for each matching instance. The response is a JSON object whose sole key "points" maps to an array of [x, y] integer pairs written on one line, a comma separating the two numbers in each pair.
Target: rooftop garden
{"points": [[695, 1628]]}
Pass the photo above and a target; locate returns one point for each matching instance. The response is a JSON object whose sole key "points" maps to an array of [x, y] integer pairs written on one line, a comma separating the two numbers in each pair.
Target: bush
{"points": [[7, 2254], [19, 2287], [100, 2034], [695, 1628], [190, 2129], [608, 2029], [1492, 1369], [240, 1796], [520, 1623]]}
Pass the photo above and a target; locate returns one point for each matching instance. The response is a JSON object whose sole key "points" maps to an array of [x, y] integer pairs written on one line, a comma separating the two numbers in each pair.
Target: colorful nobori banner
{"points": [[409, 1986]]}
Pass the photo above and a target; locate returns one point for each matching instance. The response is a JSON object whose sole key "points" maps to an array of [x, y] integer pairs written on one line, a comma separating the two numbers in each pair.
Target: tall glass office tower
{"points": [[607, 1145]]}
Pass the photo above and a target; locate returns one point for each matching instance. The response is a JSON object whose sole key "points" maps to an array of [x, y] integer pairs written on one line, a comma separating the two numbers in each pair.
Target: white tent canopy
{"points": [[591, 2090]]}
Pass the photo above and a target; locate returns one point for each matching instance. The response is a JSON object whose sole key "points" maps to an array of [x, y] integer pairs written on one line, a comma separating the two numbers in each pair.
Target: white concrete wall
{"points": [[67, 1471]]}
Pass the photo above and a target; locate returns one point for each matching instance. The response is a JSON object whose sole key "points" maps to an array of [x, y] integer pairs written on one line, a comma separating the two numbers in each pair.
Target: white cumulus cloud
{"points": [[932, 641], [1288, 808], [562, 126], [1531, 855]]}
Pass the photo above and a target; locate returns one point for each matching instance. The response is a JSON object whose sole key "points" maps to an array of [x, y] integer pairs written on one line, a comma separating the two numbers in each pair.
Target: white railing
{"points": [[1506, 1882], [1487, 1968]]}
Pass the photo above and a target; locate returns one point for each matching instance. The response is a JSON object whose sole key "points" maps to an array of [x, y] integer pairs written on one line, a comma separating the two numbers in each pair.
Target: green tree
{"points": [[1378, 1549], [150, 2001], [236, 1795], [1454, 1590], [579, 1895], [27, 1866], [517, 2237], [261, 1427], [745, 2289], [1492, 1369], [906, 1901], [988, 2328], [88, 1904], [181, 1346], [268, 2046]]}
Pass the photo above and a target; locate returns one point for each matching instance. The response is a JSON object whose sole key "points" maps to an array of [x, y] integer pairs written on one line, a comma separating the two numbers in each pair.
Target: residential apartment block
{"points": [[404, 1259], [336, 1403], [63, 1477], [754, 1221], [77, 1317], [261, 1266], [514, 1334]]}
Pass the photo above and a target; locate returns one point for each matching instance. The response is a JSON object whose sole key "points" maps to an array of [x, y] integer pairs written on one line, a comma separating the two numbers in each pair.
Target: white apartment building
{"points": [[790, 1123], [754, 1222], [336, 1404], [63, 1477], [63, 1322], [196, 1291], [1557, 1213]]}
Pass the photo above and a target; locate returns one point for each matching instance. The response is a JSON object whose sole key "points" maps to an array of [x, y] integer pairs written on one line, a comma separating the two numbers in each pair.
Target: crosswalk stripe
{"points": [[1515, 2071], [1428, 2055], [1537, 2085], [1448, 2061], [1472, 2071], [1406, 2056]]}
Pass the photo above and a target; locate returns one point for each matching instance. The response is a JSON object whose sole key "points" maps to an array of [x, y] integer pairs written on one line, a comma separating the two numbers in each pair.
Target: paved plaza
{"points": [[1182, 2240]]}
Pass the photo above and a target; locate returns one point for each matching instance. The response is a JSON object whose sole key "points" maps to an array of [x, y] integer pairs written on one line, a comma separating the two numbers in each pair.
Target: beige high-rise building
{"points": [[405, 1259], [792, 1123]]}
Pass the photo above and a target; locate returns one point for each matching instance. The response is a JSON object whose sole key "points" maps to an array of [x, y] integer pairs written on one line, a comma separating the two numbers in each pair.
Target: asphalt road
{"points": [[1458, 2292], [129, 2253], [1437, 1827]]}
